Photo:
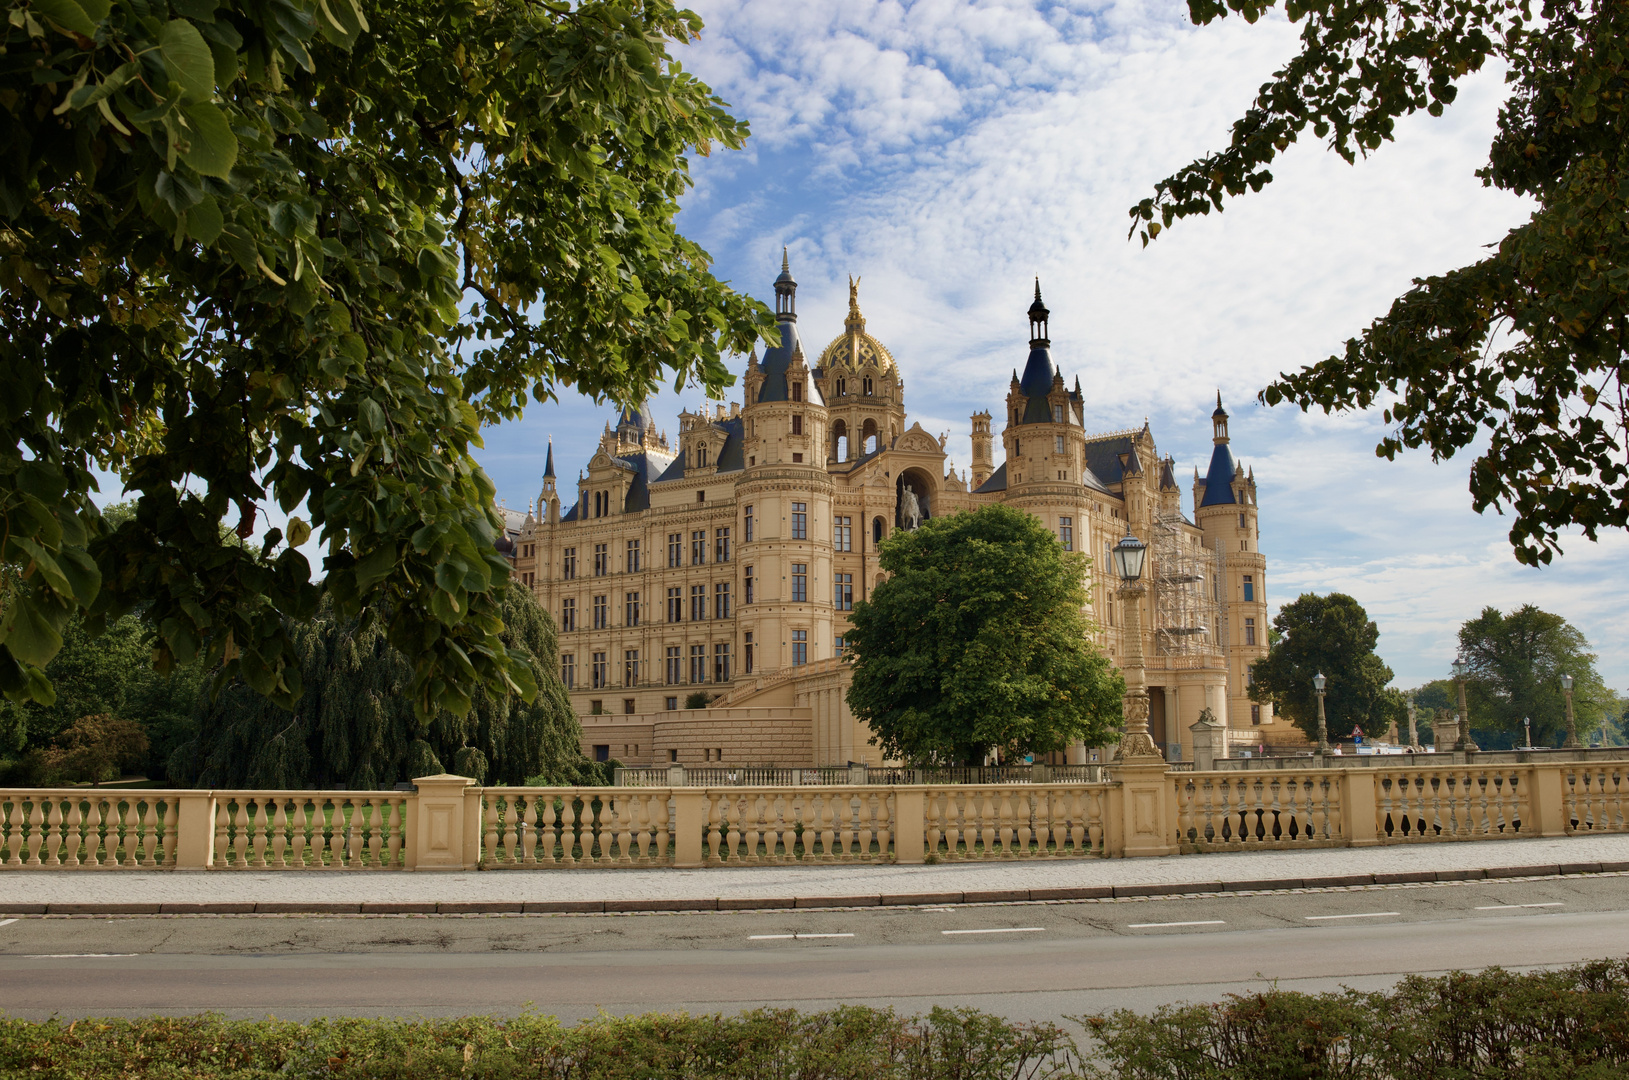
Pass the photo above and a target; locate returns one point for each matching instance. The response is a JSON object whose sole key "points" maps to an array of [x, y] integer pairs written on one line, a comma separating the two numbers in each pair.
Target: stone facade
{"points": [[727, 562]]}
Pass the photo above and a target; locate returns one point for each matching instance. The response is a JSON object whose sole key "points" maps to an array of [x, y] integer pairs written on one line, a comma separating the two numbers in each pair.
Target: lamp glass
{"points": [[1459, 669], [1318, 681], [1566, 682], [1129, 554]]}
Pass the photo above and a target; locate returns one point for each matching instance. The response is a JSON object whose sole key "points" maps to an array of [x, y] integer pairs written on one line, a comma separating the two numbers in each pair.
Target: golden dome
{"points": [[854, 349]]}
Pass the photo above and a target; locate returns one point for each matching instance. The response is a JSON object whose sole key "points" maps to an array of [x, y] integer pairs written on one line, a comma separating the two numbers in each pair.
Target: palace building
{"points": [[725, 564]]}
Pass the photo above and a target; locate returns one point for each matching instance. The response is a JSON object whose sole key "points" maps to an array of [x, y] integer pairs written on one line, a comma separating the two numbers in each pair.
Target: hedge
{"points": [[1570, 1024]]}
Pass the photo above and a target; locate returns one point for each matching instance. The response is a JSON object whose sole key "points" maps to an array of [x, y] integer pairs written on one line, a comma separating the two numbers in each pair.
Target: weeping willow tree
{"points": [[354, 725]]}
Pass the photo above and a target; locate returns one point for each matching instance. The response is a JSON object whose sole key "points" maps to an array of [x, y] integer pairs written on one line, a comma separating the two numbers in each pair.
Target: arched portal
{"points": [[915, 505], [839, 440]]}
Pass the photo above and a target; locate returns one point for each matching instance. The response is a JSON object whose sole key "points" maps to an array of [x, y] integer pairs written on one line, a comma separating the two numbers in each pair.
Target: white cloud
{"points": [[947, 151]]}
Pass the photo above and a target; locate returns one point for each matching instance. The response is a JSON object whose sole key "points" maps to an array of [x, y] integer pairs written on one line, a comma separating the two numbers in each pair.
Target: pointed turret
{"points": [[786, 292], [1219, 480], [1039, 374], [548, 466], [1038, 333]]}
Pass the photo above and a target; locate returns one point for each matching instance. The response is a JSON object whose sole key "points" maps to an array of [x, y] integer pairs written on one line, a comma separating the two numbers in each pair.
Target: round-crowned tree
{"points": [[978, 640]]}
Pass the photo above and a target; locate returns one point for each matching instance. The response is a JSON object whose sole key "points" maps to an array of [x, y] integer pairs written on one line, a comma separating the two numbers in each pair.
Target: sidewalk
{"points": [[37, 892]]}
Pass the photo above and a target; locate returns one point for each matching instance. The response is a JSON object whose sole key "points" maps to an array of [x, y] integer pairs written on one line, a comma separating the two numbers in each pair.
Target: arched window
{"points": [[868, 437], [876, 531], [865, 386], [839, 440], [842, 387]]}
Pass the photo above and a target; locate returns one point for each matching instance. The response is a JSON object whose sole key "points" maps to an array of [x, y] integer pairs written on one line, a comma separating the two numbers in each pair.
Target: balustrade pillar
{"points": [[1147, 810], [1360, 806], [910, 826], [1546, 801], [195, 831], [689, 824], [445, 832]]}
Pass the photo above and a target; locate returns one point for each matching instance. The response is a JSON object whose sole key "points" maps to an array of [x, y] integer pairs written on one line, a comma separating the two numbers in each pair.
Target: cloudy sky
{"points": [[948, 152]]}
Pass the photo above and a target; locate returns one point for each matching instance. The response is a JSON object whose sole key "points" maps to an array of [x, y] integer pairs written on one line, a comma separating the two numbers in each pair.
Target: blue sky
{"points": [[947, 152]]}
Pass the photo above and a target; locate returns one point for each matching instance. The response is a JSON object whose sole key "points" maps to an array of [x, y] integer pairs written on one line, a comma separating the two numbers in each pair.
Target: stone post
{"points": [[1209, 740], [689, 825], [675, 776], [1359, 806], [1135, 744], [858, 773], [910, 826], [1147, 809], [440, 835], [1546, 801], [194, 830]]}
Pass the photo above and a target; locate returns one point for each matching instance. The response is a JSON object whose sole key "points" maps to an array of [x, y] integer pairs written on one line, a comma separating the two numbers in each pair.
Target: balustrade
{"points": [[768, 826], [86, 828], [540, 827], [1232, 810], [1028, 821], [309, 830], [1451, 803], [1595, 797]]}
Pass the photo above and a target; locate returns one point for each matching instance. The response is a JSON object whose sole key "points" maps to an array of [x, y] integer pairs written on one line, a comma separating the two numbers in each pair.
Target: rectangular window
{"points": [[721, 545], [673, 667], [797, 425], [601, 675], [721, 663], [568, 670], [630, 667], [698, 663], [1255, 715], [800, 648], [602, 560], [837, 646], [1249, 631], [843, 534], [843, 592], [1057, 446], [633, 556], [675, 605], [627, 708], [747, 648], [747, 598], [800, 521], [1250, 675], [630, 609], [1249, 588], [746, 529], [698, 547], [672, 704], [568, 615], [602, 613], [1241, 521], [675, 550], [1066, 533], [698, 603], [800, 583], [721, 600], [568, 564]]}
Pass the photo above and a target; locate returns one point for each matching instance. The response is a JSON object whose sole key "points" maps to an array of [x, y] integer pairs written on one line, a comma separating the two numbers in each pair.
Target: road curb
{"points": [[770, 903]]}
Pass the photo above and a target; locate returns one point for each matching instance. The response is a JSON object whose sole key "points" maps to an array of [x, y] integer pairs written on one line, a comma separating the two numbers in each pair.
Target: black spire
{"points": [[786, 293], [548, 469], [1038, 313]]}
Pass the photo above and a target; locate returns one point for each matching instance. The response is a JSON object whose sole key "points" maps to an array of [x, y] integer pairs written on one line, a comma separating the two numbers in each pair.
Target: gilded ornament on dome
{"points": [[854, 349]]}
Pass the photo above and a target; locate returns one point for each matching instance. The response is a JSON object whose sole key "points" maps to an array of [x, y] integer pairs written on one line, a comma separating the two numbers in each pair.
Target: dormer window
{"points": [[797, 391]]}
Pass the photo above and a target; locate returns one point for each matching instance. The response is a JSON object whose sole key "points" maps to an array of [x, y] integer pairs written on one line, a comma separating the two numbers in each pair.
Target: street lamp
{"points": [[1572, 725], [1527, 725], [1461, 670], [1318, 681], [1129, 555]]}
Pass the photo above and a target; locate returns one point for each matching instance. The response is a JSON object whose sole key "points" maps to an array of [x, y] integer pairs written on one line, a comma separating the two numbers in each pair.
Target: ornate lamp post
{"points": [[1572, 725], [1318, 682], [1461, 669], [1129, 555]]}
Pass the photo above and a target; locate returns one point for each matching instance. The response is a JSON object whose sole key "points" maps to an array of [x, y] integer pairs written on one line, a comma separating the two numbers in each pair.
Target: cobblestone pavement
{"points": [[1271, 869]]}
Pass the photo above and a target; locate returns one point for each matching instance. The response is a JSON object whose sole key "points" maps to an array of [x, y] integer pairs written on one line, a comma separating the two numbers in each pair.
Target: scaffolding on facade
{"points": [[1186, 612]]}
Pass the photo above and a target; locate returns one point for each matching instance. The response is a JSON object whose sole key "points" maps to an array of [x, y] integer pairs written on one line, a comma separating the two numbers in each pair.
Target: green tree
{"points": [[93, 749], [296, 253], [1525, 348], [1515, 666], [1436, 705], [976, 641], [355, 726], [1334, 636]]}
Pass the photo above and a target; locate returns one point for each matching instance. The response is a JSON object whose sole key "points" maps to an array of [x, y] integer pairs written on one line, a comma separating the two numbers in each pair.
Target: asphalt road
{"points": [[1025, 961]]}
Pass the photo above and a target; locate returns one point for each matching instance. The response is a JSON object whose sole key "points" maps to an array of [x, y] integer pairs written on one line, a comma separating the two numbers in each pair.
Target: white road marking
{"points": [[7, 922], [75, 955], [1512, 907], [1362, 915], [792, 937], [1001, 930], [1151, 925]]}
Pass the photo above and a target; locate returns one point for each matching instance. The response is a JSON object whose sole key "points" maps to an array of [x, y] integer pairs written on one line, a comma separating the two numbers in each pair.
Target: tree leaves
{"points": [[1524, 349], [259, 252]]}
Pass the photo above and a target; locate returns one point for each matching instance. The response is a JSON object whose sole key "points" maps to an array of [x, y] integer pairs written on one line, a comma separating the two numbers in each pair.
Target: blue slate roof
{"points": [[1103, 460], [1219, 480], [1036, 385], [774, 364], [997, 481], [646, 467]]}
